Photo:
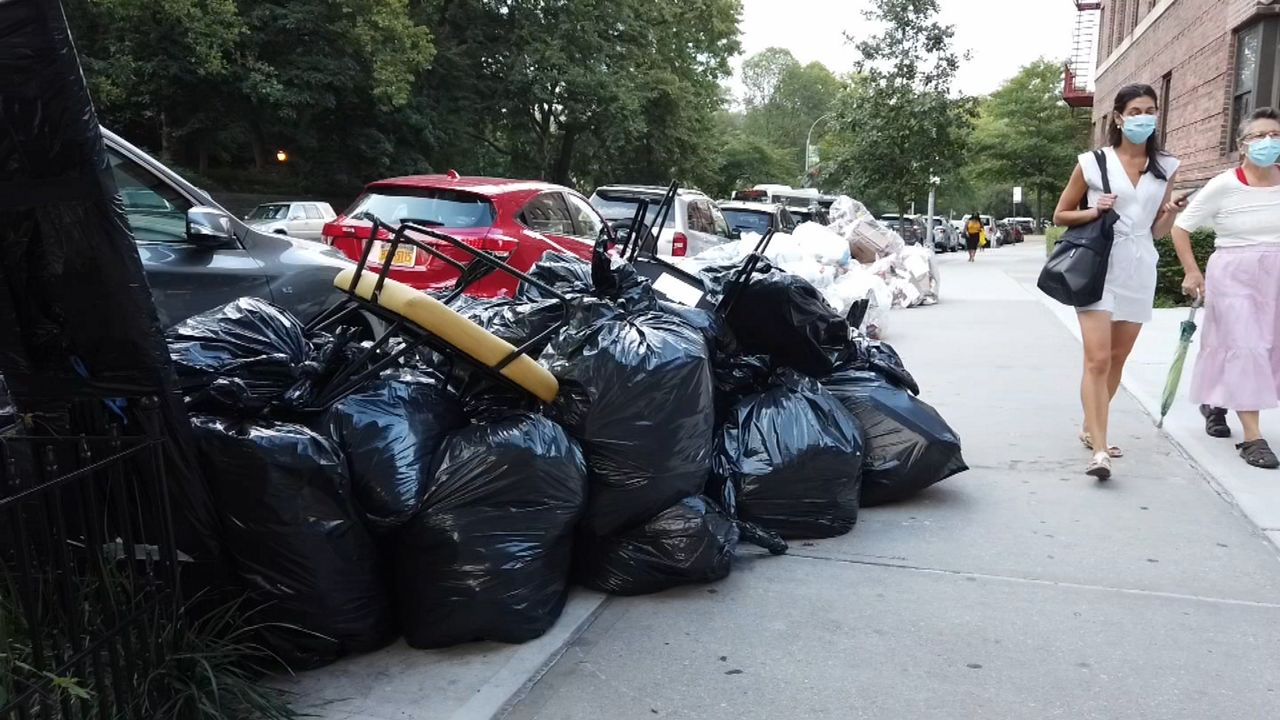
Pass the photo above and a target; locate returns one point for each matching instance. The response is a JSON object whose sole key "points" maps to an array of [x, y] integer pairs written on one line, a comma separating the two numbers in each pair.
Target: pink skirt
{"points": [[1239, 363]]}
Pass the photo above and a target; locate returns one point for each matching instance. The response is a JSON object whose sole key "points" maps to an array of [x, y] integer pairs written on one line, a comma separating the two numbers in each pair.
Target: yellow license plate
{"points": [[404, 257]]}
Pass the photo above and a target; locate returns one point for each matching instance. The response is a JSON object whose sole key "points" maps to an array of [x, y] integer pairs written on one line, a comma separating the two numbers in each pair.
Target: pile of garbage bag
{"points": [[436, 503]]}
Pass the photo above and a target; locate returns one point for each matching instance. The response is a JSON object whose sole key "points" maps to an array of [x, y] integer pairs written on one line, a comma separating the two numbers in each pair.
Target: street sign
{"points": [[1017, 195]]}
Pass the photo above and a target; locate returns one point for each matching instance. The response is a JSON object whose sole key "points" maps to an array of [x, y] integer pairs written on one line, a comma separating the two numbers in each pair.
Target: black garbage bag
{"points": [[783, 316], [714, 329], [794, 455], [248, 355], [516, 321], [635, 390], [908, 445], [689, 543], [606, 278], [736, 377], [296, 539], [488, 556], [390, 431], [863, 353]]}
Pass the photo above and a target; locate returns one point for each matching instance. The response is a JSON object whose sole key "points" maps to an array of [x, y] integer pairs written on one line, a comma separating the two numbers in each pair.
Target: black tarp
{"points": [[76, 315]]}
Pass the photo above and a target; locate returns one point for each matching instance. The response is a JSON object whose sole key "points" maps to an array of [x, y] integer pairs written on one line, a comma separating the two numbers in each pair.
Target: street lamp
{"points": [[282, 156], [934, 182], [808, 143]]}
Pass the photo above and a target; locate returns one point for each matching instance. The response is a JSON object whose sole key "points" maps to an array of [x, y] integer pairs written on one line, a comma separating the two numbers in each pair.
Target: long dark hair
{"points": [[1128, 94]]}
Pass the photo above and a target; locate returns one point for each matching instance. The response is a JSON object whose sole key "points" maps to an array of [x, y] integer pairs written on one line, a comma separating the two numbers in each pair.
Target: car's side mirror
{"points": [[209, 227], [735, 234]]}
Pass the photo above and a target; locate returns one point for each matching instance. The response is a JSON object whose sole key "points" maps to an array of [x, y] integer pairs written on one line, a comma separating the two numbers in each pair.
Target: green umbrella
{"points": [[1179, 360]]}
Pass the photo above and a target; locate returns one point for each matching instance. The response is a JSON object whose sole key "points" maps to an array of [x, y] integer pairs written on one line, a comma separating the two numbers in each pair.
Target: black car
{"points": [[197, 256], [759, 218]]}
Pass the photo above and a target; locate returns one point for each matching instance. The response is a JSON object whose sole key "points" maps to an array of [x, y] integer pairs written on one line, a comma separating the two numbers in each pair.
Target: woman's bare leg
{"points": [[1095, 392]]}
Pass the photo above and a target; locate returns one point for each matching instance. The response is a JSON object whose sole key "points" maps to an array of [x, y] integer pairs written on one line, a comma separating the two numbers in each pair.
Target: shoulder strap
{"points": [[1101, 157]]}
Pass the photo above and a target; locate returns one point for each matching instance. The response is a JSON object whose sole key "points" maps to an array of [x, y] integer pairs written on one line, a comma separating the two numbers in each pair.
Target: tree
{"points": [[1026, 135], [784, 98], [762, 72], [898, 123]]}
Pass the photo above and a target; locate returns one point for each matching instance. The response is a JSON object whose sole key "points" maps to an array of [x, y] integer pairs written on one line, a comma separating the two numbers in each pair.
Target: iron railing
{"points": [[88, 565]]}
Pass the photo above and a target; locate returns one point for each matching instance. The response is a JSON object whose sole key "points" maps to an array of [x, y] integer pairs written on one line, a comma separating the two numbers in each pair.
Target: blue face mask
{"points": [[1139, 128], [1264, 152]]}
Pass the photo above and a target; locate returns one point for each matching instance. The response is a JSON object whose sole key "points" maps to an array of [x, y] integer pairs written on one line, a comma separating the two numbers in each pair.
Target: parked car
{"points": [[304, 219], [759, 218], [197, 256], [911, 227], [695, 223], [516, 220], [1025, 224], [945, 237], [1011, 232]]}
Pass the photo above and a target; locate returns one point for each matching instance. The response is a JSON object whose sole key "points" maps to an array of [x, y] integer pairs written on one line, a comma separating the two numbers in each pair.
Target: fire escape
{"points": [[1079, 69]]}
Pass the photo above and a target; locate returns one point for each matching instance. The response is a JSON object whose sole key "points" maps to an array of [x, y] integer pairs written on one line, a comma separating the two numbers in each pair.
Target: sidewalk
{"points": [[1256, 492], [1021, 589]]}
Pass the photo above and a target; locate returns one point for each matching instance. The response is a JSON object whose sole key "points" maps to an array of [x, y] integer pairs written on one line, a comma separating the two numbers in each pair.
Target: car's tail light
{"points": [[679, 245]]}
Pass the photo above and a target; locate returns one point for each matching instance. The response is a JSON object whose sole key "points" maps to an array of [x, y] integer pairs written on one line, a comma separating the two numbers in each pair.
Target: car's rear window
{"points": [[270, 212], [614, 207], [437, 208], [746, 221]]}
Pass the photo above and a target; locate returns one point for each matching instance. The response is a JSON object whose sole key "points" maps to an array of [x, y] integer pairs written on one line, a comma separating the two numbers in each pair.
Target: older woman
{"points": [[1239, 364]]}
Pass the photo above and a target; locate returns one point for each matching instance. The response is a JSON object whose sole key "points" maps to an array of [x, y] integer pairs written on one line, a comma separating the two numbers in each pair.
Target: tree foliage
{"points": [[1026, 135], [578, 91], [783, 100], [898, 122]]}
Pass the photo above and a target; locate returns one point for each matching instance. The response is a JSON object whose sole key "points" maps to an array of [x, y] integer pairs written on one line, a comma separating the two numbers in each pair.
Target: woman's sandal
{"points": [[1099, 467], [1113, 451], [1215, 422], [1258, 454]]}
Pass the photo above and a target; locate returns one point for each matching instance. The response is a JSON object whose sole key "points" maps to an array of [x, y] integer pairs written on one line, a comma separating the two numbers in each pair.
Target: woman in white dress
{"points": [[1141, 177]]}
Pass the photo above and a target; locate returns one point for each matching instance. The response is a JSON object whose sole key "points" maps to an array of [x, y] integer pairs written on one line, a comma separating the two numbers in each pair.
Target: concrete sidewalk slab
{"points": [[1021, 589], [468, 682], [1255, 492], [812, 638]]}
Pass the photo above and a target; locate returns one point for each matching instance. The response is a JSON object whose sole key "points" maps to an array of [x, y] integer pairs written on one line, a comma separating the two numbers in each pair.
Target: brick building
{"points": [[1212, 61]]}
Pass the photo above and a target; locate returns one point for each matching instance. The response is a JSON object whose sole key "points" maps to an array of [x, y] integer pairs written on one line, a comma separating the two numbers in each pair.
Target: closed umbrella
{"points": [[1179, 360]]}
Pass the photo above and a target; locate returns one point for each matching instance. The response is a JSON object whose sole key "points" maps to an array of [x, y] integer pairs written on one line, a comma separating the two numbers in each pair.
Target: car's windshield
{"points": [[277, 211], [614, 207], [442, 208], [745, 221]]}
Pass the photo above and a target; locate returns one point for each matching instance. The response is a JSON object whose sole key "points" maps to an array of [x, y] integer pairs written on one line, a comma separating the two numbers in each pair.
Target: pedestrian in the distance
{"points": [[1239, 364], [973, 235], [1140, 176]]}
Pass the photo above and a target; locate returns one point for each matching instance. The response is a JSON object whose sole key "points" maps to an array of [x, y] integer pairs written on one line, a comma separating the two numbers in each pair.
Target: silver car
{"points": [[301, 219]]}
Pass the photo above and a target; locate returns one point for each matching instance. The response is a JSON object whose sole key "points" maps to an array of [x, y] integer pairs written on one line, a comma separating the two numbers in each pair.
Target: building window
{"points": [[1166, 99], [1251, 81]]}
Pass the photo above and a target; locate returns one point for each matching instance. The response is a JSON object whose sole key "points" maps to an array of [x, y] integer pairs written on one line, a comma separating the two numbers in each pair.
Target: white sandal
{"points": [[1113, 451], [1099, 467]]}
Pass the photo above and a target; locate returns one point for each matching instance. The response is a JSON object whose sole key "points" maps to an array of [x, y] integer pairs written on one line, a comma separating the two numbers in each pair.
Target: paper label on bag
{"points": [[677, 290]]}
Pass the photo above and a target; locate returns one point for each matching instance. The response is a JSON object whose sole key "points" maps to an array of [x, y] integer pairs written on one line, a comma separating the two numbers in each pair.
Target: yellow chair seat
{"points": [[438, 319]]}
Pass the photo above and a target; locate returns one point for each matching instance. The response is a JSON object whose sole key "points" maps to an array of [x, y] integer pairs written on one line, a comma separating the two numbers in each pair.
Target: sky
{"points": [[1003, 35]]}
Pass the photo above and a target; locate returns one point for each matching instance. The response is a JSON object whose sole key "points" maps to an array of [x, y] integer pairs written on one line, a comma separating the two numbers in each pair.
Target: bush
{"points": [[1051, 237], [1169, 271]]}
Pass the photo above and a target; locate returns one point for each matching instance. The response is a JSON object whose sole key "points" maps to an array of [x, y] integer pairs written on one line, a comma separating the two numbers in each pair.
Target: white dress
{"points": [[1130, 290]]}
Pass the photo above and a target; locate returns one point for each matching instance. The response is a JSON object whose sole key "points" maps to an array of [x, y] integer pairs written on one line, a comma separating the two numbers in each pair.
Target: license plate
{"points": [[406, 256]]}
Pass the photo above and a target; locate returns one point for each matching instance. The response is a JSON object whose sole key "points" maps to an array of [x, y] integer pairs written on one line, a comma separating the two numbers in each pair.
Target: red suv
{"points": [[516, 220]]}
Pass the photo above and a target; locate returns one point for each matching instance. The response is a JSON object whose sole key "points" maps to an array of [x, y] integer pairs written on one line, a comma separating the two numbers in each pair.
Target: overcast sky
{"points": [[1003, 35]]}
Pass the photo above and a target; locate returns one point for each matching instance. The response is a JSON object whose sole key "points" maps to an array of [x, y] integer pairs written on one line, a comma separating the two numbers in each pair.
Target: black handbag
{"points": [[1076, 272]]}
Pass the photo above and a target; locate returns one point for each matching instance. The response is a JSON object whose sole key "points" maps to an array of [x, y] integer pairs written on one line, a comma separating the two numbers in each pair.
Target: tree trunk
{"points": [[166, 140], [259, 147], [564, 162]]}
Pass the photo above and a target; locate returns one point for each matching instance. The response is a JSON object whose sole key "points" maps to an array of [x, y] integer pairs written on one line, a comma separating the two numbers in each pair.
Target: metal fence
{"points": [[88, 567]]}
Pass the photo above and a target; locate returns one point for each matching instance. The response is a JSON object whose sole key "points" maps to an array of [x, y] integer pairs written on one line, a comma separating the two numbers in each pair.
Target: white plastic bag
{"points": [[823, 244]]}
